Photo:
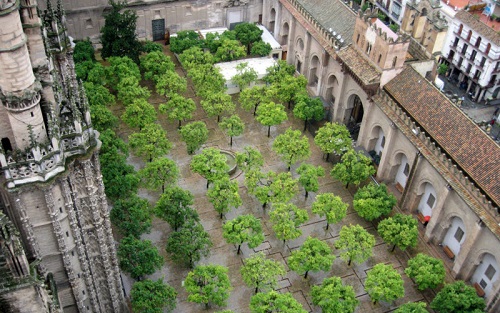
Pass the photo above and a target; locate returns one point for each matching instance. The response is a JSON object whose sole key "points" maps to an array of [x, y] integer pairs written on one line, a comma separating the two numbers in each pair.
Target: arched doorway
{"points": [[486, 274], [455, 236], [428, 200], [354, 115], [380, 143], [272, 20], [495, 93], [284, 34], [313, 70], [331, 87], [403, 171]]}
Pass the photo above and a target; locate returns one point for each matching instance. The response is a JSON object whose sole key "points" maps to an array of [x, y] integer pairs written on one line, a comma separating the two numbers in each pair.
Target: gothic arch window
{"points": [[478, 41], [424, 12]]}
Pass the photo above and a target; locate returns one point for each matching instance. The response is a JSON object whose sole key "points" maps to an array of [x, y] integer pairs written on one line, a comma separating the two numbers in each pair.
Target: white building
{"points": [[472, 50], [228, 70]]}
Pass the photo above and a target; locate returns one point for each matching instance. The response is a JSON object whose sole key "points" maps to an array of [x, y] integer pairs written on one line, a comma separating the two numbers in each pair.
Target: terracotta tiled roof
{"points": [[332, 14], [357, 63], [465, 142], [483, 29]]}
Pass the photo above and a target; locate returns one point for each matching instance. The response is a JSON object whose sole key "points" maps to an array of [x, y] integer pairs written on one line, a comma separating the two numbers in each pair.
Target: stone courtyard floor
{"points": [[225, 254]]}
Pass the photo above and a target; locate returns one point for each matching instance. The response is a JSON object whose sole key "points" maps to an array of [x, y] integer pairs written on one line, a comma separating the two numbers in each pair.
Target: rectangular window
{"points": [[473, 55], [490, 272], [469, 67], [455, 43], [406, 170], [483, 284], [459, 234], [459, 64], [299, 64], [483, 60], [431, 200], [464, 48]]}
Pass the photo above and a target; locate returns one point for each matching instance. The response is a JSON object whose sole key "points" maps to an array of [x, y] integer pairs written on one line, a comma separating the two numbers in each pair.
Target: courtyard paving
{"points": [[225, 254]]}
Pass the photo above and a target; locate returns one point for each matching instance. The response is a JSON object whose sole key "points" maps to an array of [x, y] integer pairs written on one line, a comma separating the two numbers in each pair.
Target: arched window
{"points": [[379, 57], [394, 61], [460, 28], [488, 47], [478, 41], [469, 35]]}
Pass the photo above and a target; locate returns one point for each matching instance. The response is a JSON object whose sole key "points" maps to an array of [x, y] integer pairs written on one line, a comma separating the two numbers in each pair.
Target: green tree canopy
{"points": [[149, 46], [189, 244], [132, 216], [207, 79], [138, 257], [217, 103], [261, 49], [120, 68], [333, 138], [244, 228], [102, 118], [184, 40], [118, 36], [292, 147], [232, 126], [356, 243], [170, 83], [373, 201], [150, 143], [223, 194], [354, 168], [331, 207], [159, 173], [261, 273], [250, 159], [247, 34], [286, 219], [307, 109], [178, 108], [277, 72], [399, 230], [156, 63], [149, 296], [229, 50], [314, 255], [211, 164], [271, 187], [194, 135], [250, 98], [270, 114], [458, 297], [289, 88], [139, 113], [195, 56], [275, 302], [83, 51], [130, 91], [383, 282], [309, 175], [426, 271], [174, 206], [332, 296], [413, 307], [98, 95], [244, 75], [208, 284]]}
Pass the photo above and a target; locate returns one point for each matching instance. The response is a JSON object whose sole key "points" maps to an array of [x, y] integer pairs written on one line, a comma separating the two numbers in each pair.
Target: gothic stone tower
{"points": [[51, 183]]}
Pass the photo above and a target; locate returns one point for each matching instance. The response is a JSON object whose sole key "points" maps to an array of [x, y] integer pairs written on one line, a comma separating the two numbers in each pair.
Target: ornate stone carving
{"points": [[5, 4]]}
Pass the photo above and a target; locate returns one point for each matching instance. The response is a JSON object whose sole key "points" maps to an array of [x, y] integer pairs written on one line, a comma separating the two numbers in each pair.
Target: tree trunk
{"points": [[208, 182], [239, 249], [231, 142], [305, 125], [289, 167], [178, 127], [349, 263], [221, 215], [269, 132], [327, 225], [305, 275], [327, 156], [218, 118], [289, 104], [255, 110], [307, 194], [264, 205], [393, 248], [163, 188], [256, 290], [347, 186]]}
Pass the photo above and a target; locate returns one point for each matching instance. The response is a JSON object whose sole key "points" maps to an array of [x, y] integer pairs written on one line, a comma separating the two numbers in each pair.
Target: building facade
{"points": [[378, 83], [52, 192], [472, 50]]}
